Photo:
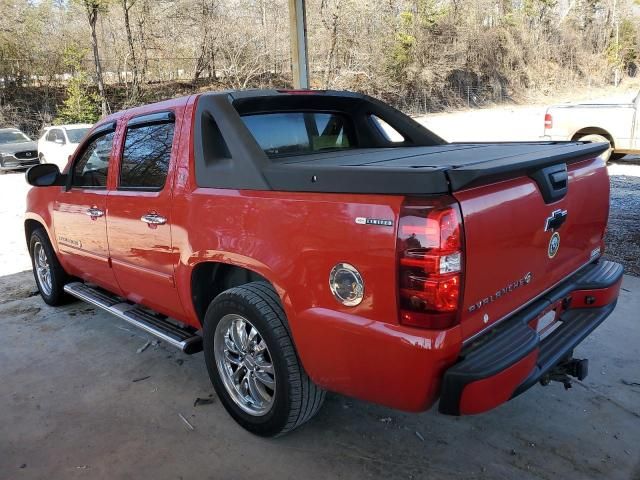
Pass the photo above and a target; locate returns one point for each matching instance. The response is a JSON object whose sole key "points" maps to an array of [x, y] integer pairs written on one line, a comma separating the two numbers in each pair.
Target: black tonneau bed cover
{"points": [[227, 155], [421, 170]]}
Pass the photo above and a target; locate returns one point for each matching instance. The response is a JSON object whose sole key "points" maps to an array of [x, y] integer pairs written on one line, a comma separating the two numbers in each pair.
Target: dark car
{"points": [[17, 151]]}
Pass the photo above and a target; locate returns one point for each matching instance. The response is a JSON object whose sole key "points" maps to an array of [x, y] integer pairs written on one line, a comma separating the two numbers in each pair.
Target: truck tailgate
{"points": [[510, 256]]}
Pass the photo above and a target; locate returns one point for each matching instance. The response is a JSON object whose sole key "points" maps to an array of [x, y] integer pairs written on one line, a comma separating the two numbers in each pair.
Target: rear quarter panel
{"points": [[293, 240]]}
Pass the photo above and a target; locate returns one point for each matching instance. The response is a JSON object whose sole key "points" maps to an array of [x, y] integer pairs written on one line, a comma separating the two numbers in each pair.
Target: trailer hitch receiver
{"points": [[573, 367]]}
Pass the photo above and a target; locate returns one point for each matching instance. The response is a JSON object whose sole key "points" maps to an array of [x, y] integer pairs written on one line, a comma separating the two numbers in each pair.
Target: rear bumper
{"points": [[511, 358]]}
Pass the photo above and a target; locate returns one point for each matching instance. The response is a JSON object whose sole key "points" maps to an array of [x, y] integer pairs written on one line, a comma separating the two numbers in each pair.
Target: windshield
{"points": [[13, 136], [76, 134]]}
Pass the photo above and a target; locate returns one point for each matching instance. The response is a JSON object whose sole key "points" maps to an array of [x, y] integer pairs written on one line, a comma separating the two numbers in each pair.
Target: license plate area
{"points": [[548, 320]]}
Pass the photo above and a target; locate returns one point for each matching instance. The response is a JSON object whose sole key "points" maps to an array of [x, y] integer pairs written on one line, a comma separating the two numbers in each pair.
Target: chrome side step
{"points": [[185, 339]]}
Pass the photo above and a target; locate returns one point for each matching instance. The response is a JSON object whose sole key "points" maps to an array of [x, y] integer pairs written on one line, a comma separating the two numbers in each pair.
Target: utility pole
{"points": [[298, 32], [616, 72]]}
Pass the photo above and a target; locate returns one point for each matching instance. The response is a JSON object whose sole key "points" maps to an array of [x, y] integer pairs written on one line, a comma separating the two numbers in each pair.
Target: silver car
{"points": [[17, 151]]}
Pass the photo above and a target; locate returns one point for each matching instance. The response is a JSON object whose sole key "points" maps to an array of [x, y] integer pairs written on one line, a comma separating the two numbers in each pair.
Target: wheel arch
{"points": [[594, 131], [33, 222], [210, 278]]}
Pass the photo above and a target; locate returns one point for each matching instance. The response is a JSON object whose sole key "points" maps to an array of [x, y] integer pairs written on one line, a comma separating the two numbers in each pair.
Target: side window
{"points": [[51, 135], [146, 156], [387, 131], [92, 167]]}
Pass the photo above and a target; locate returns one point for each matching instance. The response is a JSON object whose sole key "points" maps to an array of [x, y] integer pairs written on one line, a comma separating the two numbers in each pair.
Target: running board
{"points": [[185, 339]]}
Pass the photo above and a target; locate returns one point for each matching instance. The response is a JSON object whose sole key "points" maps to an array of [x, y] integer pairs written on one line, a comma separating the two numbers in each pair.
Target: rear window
{"points": [[298, 133]]}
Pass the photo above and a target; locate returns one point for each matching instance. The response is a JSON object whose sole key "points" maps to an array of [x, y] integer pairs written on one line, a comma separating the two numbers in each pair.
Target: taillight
{"points": [[548, 121], [429, 262]]}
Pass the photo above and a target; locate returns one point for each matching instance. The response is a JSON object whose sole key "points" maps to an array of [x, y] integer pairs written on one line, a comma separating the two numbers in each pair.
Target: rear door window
{"points": [[297, 133], [146, 156]]}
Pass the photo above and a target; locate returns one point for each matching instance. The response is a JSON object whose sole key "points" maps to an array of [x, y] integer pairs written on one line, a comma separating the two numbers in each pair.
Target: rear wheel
{"points": [[595, 138], [252, 362], [49, 274]]}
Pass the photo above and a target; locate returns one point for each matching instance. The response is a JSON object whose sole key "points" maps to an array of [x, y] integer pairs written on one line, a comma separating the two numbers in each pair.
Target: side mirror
{"points": [[59, 141], [45, 175]]}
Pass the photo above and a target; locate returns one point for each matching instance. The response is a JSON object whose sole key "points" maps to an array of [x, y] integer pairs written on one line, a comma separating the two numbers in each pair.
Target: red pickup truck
{"points": [[311, 241]]}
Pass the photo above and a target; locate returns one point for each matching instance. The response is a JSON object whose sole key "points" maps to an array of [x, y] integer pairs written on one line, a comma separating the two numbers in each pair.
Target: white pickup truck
{"points": [[616, 123]]}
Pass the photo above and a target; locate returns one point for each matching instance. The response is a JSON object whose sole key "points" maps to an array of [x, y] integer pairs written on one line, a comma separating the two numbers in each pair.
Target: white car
{"points": [[59, 141]]}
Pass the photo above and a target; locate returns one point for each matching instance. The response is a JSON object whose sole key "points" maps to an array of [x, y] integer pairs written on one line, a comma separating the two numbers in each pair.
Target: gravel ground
{"points": [[623, 232]]}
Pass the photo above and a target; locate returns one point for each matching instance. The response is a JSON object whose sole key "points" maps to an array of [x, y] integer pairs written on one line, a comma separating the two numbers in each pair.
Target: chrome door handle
{"points": [[94, 212], [153, 219]]}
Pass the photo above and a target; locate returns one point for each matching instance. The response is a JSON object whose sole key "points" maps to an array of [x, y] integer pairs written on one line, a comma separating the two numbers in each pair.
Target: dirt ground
{"points": [[78, 400]]}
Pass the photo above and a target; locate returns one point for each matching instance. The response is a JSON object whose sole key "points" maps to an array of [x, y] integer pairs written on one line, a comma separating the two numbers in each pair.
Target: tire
{"points": [[295, 398], [595, 138], [52, 292]]}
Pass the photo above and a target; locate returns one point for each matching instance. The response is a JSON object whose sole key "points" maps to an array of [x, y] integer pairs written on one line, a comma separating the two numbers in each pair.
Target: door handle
{"points": [[94, 212], [153, 219]]}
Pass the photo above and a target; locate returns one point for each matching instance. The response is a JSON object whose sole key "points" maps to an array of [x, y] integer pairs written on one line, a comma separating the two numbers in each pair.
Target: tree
{"points": [[93, 8], [80, 106], [126, 6]]}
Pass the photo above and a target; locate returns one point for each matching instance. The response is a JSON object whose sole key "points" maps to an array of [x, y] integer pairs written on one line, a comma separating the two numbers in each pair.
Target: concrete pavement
{"points": [[78, 401]]}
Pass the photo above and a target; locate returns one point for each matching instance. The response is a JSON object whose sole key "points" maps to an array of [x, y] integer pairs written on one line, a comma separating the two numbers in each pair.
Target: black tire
{"points": [[297, 399], [56, 295]]}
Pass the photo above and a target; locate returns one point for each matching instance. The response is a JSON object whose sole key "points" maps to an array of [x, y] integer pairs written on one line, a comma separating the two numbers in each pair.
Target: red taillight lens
{"points": [[548, 121], [429, 263]]}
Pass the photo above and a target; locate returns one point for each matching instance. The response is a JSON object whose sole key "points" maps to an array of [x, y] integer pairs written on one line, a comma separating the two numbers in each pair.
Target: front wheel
{"points": [[49, 274], [253, 364]]}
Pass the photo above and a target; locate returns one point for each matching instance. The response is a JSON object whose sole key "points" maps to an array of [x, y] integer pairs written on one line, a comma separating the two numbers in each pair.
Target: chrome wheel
{"points": [[43, 269], [244, 364]]}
